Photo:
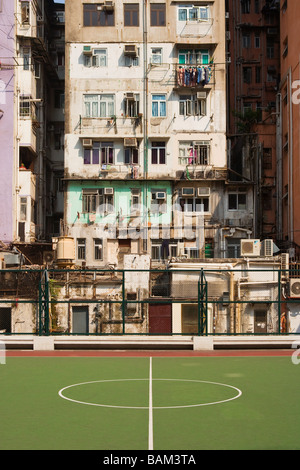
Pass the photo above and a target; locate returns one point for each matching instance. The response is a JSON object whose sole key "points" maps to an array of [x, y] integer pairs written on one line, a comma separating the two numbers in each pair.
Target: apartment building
{"points": [[31, 50], [288, 148], [145, 143], [253, 54]]}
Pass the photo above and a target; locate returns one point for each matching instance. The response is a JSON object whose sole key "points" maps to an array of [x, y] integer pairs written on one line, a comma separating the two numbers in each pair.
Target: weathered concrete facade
{"points": [[146, 126]]}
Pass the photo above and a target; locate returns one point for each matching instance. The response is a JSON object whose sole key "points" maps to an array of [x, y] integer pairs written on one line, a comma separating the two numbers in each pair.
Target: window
{"points": [[156, 55], [94, 200], [98, 58], [194, 153], [97, 15], [23, 209], [91, 156], [26, 58], [98, 249], [190, 105], [258, 74], [25, 13], [237, 201], [246, 40], [131, 156], [81, 248], [158, 201], [131, 105], [25, 106], [247, 75], [99, 152], [135, 198], [131, 14], [163, 249], [106, 201], [245, 4], [158, 14], [96, 106], [158, 153], [271, 48], [257, 42], [194, 203], [193, 13], [89, 201], [193, 57], [267, 158], [59, 99], [159, 106]]}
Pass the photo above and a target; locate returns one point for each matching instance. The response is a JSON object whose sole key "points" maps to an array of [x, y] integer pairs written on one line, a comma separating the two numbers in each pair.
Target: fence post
{"points": [[44, 304]]}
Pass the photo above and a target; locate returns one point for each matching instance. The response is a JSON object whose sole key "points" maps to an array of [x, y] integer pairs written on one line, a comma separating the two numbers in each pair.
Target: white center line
{"points": [[150, 427]]}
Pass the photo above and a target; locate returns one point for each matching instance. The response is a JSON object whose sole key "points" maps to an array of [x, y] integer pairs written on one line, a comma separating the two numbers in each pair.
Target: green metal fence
{"points": [[149, 302]]}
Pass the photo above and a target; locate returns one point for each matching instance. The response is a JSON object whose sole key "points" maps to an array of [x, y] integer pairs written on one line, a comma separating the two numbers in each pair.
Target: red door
{"points": [[160, 318]]}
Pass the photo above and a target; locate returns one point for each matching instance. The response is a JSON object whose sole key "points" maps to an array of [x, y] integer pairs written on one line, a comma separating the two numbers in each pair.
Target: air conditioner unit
{"points": [[160, 195], [187, 191], [130, 49], [129, 96], [201, 95], [130, 142], [87, 50], [108, 5], [203, 191], [285, 266], [294, 288], [250, 247], [87, 143], [266, 248], [108, 191]]}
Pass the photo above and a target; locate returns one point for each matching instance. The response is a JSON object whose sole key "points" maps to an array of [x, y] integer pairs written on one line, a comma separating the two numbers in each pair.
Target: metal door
{"points": [[160, 318], [80, 320], [260, 321]]}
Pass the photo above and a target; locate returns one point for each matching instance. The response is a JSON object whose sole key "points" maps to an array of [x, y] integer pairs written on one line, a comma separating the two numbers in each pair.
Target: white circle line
{"points": [[146, 407]]}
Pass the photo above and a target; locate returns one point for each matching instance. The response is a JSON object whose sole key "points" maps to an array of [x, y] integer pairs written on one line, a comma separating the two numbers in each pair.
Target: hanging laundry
{"points": [[192, 76]]}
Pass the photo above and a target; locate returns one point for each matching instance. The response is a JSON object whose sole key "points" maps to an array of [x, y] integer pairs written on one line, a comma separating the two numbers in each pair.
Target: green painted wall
{"points": [[122, 201]]}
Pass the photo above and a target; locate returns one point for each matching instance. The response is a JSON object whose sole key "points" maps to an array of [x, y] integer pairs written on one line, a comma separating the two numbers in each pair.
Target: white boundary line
{"points": [[152, 407], [150, 425]]}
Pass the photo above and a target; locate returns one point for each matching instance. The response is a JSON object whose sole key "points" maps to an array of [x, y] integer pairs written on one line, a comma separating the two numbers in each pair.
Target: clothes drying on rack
{"points": [[193, 76]]}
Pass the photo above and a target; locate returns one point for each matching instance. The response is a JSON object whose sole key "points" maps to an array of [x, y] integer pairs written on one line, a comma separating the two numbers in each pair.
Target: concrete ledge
{"points": [[203, 343], [43, 343], [49, 343]]}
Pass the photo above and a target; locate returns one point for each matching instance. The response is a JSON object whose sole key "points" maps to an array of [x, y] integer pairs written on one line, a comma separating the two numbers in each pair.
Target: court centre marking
{"points": [[239, 393]]}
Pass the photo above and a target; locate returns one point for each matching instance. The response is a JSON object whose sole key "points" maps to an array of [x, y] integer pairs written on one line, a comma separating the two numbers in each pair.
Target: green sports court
{"points": [[150, 401]]}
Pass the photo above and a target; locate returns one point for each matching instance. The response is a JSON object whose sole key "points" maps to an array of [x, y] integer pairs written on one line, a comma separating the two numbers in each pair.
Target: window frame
{"points": [[158, 148], [158, 14], [130, 9], [97, 17], [98, 99], [159, 101]]}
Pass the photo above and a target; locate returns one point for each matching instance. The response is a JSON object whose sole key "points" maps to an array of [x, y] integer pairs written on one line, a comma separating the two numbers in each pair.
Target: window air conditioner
{"points": [[130, 49], [88, 143], [294, 289], [188, 191], [160, 195], [130, 142], [201, 95], [108, 5], [108, 191], [87, 50], [129, 96], [250, 247], [203, 191]]}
